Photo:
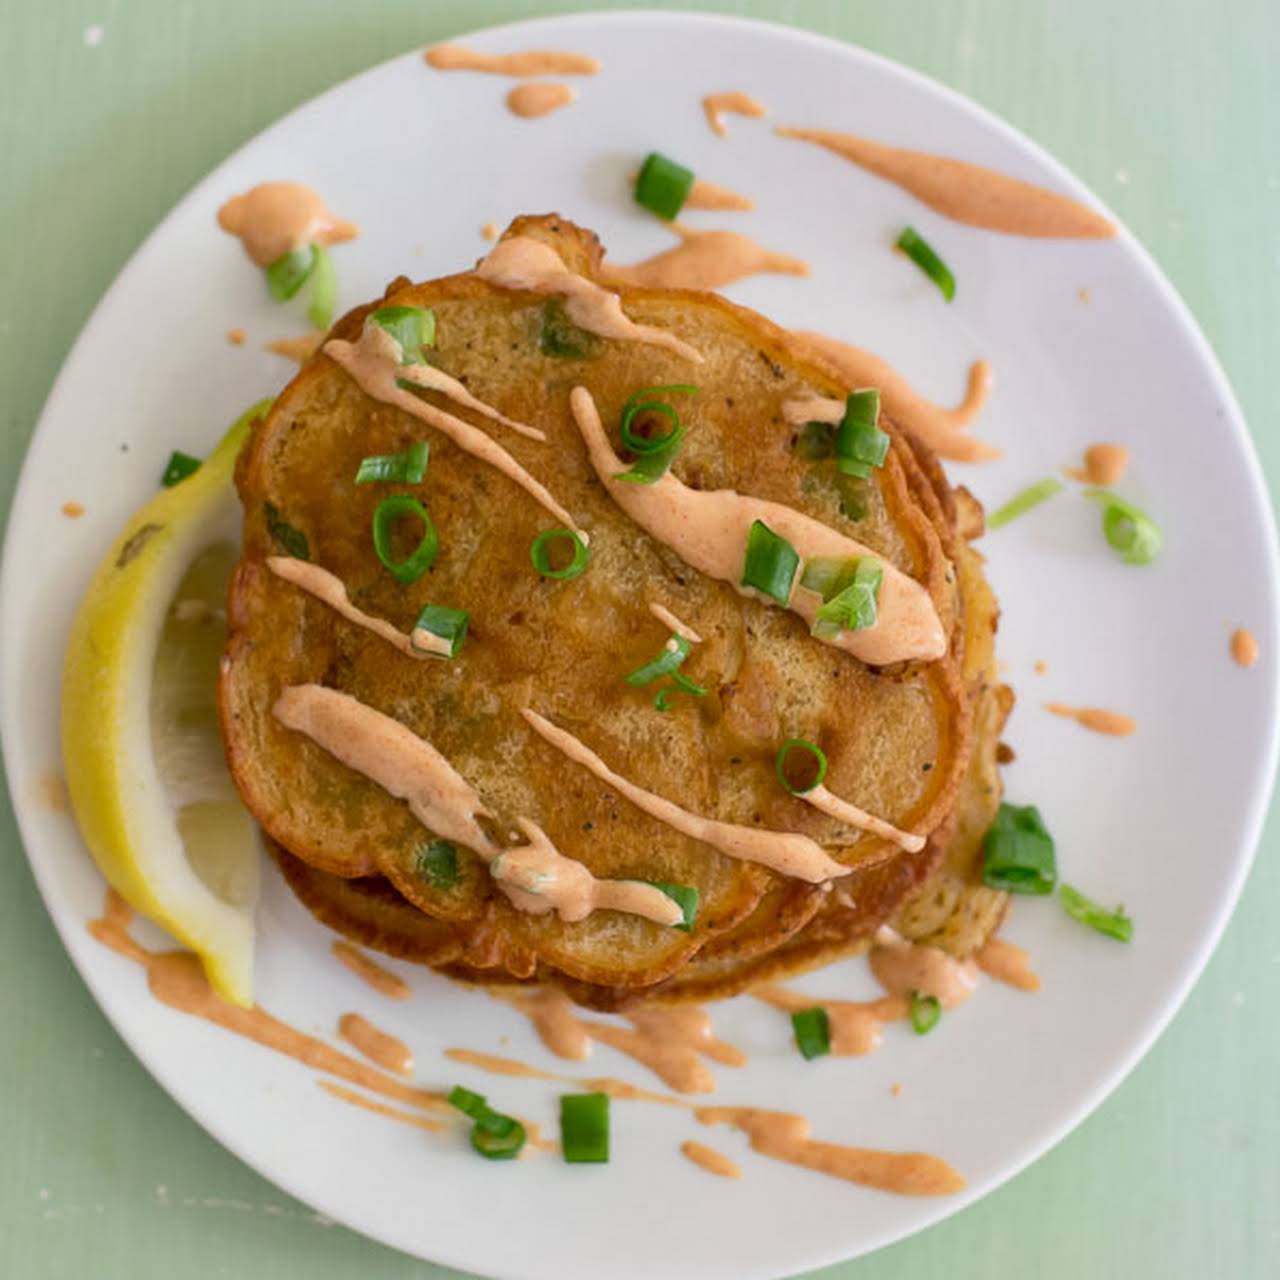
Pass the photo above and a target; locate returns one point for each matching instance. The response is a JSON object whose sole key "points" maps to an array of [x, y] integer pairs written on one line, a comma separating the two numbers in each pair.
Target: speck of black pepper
{"points": [[614, 816], [928, 764], [124, 448], [735, 759], [588, 826], [755, 817]]}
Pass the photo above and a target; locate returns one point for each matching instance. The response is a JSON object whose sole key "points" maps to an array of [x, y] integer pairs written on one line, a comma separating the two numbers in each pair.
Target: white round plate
{"points": [[1165, 821]]}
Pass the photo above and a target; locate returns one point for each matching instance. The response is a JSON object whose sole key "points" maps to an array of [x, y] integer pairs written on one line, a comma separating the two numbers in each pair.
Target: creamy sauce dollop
{"points": [[536, 877], [967, 193], [539, 98], [531, 62], [1104, 464], [708, 530], [715, 106], [275, 218], [1098, 720], [521, 262], [1244, 647], [710, 1159], [942, 429], [706, 260]]}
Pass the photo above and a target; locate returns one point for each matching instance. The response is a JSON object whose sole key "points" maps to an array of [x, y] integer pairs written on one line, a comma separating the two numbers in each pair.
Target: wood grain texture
{"points": [[1169, 110]]}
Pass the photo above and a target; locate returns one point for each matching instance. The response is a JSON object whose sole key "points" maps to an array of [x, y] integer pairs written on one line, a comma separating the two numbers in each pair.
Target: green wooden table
{"points": [[110, 111]]}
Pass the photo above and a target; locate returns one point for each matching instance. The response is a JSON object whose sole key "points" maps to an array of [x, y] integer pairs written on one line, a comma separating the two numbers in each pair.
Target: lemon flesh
{"points": [[140, 740]]}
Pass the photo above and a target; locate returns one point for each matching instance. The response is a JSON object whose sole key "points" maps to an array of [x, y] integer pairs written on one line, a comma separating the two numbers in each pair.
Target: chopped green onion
{"points": [[674, 652], [813, 1032], [324, 290], [810, 749], [654, 454], [470, 1104], [420, 559], [685, 896], [1128, 529], [560, 338], [855, 606], [771, 563], [829, 575], [438, 864], [288, 273], [1115, 924], [540, 554], [498, 1137], [860, 444], [662, 185], [1030, 497], [584, 1128], [180, 466], [680, 683], [448, 624], [925, 1012], [493, 1135], [1018, 852], [412, 327], [853, 496], [918, 249], [395, 468], [293, 542]]}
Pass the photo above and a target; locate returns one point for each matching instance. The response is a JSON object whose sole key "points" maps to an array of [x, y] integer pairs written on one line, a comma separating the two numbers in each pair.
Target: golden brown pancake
{"points": [[898, 739]]}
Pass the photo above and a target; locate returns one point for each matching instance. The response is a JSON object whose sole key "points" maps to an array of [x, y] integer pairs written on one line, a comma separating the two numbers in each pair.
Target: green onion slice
{"points": [[448, 624], [493, 1135], [470, 1104], [438, 864], [179, 467], [293, 542], [324, 289], [412, 327], [662, 185], [1115, 924], [813, 1032], [680, 683], [1128, 529], [685, 896], [1030, 497], [420, 559], [674, 652], [654, 454], [810, 749], [770, 564], [288, 273], [395, 468], [560, 338], [860, 444], [918, 249], [854, 607], [925, 1012], [584, 1128], [1018, 852], [540, 554]]}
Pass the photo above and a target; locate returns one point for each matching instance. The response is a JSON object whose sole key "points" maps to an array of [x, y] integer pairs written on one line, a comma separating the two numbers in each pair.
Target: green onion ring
{"points": [[540, 554], [418, 561], [780, 764]]}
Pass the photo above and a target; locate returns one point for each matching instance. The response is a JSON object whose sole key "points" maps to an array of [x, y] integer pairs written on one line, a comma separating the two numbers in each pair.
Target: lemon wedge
{"points": [[140, 742]]}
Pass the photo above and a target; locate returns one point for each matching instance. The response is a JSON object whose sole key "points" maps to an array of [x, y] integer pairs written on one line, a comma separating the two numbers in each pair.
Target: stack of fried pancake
{"points": [[914, 743]]}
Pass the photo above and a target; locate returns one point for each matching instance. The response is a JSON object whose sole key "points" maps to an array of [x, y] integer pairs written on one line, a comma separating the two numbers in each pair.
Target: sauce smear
{"points": [[710, 1159], [1244, 647], [380, 1108], [387, 1051], [682, 629], [532, 62], [1007, 963], [942, 429], [706, 260], [715, 105], [276, 218], [177, 979], [370, 972], [1104, 464], [539, 98], [783, 1136], [709, 195], [1095, 718], [299, 349], [968, 193]]}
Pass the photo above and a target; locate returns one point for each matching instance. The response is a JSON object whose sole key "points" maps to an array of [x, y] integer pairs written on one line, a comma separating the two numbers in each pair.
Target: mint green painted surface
{"points": [[1168, 108]]}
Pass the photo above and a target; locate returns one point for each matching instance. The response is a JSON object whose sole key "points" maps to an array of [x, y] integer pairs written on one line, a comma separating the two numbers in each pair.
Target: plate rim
{"points": [[1195, 962]]}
